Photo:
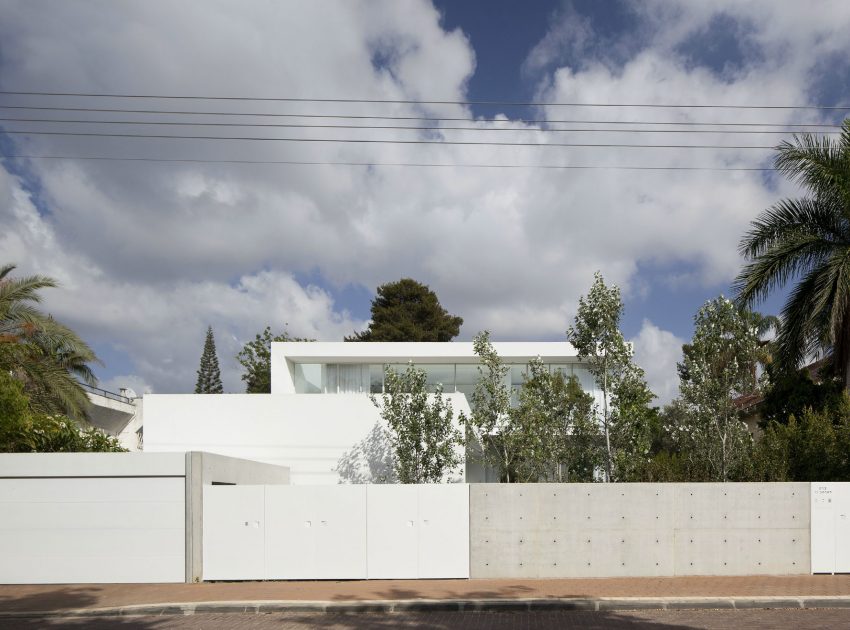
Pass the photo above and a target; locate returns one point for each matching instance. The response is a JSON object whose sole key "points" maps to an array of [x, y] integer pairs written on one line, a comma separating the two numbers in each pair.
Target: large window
{"points": [[353, 378], [307, 378]]}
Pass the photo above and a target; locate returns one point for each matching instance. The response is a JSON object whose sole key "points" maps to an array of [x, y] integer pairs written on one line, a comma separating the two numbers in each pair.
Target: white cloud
{"points": [[162, 325], [150, 253], [658, 351]]}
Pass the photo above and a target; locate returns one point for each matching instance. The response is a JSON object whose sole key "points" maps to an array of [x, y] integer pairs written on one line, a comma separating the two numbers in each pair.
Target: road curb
{"points": [[444, 605]]}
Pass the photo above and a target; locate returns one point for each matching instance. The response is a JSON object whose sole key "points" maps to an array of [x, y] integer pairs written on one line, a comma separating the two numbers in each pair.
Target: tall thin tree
{"points": [[209, 375]]}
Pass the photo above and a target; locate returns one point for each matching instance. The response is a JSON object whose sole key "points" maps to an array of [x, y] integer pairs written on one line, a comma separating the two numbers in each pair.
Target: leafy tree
{"points": [[47, 357], [256, 357], [422, 432], [716, 369], [632, 420], [806, 238], [600, 345], [209, 375], [790, 393], [25, 431], [553, 428], [550, 434], [488, 426], [407, 310]]}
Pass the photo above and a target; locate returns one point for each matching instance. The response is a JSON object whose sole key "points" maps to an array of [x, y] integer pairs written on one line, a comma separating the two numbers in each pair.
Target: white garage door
{"points": [[82, 530]]}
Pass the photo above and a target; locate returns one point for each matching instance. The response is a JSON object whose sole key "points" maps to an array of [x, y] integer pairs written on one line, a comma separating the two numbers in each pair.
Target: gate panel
{"points": [[316, 532], [393, 539], [234, 526], [443, 531]]}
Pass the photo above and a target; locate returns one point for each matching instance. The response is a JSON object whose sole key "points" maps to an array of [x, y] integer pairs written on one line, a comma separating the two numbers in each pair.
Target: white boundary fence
{"points": [[336, 532]]}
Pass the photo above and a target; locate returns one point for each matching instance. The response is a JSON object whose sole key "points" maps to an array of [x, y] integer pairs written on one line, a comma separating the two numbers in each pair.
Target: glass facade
{"points": [[353, 378]]}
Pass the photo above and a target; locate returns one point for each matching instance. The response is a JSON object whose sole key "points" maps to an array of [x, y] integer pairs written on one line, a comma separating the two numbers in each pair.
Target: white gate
{"points": [[315, 532], [336, 532], [830, 527], [418, 531]]}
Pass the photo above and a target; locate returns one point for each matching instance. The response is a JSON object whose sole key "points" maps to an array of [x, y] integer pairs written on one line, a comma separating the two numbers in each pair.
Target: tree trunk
{"points": [[605, 421]]}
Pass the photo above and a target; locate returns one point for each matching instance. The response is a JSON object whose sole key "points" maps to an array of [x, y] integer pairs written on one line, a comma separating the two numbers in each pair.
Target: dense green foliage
{"points": [[553, 429], [791, 393], [47, 357], [806, 239], [420, 427], [718, 367], [600, 345], [209, 374], [407, 310], [549, 433], [25, 431], [814, 446], [256, 358]]}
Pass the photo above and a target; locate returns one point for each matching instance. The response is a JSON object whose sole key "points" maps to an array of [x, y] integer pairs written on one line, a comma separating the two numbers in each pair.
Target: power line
{"points": [[419, 102], [804, 126], [391, 127], [391, 164], [385, 141]]}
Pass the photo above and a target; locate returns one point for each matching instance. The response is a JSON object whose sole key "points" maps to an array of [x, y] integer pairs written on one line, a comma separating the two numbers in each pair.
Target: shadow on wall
{"points": [[368, 461]]}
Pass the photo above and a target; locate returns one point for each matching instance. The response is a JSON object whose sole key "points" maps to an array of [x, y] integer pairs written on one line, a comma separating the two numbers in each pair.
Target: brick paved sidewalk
{"points": [[53, 598]]}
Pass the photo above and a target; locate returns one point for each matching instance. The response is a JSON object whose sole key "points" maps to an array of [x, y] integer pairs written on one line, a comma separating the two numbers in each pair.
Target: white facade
{"points": [[318, 419]]}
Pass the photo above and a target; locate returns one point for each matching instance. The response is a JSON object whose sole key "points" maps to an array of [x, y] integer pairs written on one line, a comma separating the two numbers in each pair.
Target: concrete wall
{"points": [[309, 433], [601, 530]]}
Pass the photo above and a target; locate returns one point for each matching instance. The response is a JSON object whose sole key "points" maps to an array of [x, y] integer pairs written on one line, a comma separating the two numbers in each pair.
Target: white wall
{"points": [[306, 432], [92, 517]]}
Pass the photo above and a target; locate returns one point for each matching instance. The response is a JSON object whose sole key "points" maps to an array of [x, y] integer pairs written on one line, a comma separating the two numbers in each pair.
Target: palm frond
{"points": [[787, 259], [790, 217], [817, 162], [798, 334]]}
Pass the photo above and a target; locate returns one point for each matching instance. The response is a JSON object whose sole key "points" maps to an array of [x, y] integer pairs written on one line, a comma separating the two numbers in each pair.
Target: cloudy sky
{"points": [[150, 252]]}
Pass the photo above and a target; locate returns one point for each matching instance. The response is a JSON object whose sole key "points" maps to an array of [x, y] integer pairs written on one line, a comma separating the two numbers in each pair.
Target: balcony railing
{"points": [[107, 394]]}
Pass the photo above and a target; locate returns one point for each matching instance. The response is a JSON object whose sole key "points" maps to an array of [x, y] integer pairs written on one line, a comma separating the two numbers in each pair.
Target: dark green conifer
{"points": [[209, 375]]}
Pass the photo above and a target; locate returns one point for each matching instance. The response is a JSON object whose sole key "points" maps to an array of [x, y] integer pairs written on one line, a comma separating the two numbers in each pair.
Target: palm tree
{"points": [[806, 239], [45, 355]]}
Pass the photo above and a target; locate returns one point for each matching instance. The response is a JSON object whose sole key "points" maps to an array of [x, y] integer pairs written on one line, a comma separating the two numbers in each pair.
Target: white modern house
{"points": [[319, 418]]}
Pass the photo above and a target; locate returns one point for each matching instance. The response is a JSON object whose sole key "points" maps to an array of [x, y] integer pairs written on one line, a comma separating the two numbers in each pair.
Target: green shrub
{"points": [[22, 431]]}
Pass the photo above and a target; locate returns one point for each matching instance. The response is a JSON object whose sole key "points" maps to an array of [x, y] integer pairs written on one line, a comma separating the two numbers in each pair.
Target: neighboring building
{"points": [[319, 408], [119, 415]]}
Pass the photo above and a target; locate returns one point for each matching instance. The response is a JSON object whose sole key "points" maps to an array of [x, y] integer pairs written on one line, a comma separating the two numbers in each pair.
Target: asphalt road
{"points": [[651, 620]]}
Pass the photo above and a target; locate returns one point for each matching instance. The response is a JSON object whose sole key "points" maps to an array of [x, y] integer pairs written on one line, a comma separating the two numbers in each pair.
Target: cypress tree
{"points": [[209, 375]]}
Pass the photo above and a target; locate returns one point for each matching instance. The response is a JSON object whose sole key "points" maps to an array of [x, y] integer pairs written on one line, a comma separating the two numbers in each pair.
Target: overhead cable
{"points": [[384, 141], [390, 164], [391, 127], [291, 99], [423, 118]]}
